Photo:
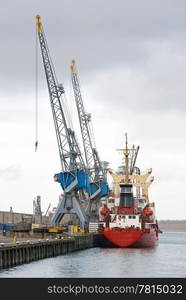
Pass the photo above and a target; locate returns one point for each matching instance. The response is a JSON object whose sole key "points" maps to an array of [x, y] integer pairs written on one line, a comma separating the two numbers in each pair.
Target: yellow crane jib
{"points": [[73, 65], [110, 171], [39, 25]]}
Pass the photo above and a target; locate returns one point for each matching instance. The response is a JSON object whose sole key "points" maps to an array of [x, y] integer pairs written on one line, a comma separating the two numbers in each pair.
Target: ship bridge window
{"points": [[134, 217], [130, 217], [123, 217], [126, 189]]}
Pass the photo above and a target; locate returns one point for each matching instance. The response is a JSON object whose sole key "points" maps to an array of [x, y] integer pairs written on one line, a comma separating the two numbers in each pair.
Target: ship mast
{"points": [[126, 153], [129, 176]]}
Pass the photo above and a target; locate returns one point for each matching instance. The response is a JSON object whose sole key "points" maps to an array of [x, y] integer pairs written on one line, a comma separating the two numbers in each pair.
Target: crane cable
{"points": [[36, 92]]}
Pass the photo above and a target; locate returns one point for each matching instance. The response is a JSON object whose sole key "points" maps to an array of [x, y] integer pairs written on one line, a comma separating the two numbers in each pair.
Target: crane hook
{"points": [[36, 145]]}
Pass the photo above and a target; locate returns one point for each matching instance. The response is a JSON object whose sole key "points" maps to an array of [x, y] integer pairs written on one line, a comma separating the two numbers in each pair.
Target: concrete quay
{"points": [[27, 251]]}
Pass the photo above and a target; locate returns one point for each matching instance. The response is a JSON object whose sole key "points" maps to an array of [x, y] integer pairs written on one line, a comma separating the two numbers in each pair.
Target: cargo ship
{"points": [[127, 218]]}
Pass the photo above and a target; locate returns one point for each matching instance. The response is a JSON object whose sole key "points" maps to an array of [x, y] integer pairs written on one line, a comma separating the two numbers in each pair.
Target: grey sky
{"points": [[131, 58]]}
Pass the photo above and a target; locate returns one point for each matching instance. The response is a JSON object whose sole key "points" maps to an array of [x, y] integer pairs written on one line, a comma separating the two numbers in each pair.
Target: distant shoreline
{"points": [[172, 225]]}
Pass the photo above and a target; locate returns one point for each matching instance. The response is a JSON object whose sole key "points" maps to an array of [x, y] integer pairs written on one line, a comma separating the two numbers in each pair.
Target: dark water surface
{"points": [[167, 259]]}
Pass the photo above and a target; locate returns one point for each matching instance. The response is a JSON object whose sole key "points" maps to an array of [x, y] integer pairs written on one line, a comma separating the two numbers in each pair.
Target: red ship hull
{"points": [[142, 238]]}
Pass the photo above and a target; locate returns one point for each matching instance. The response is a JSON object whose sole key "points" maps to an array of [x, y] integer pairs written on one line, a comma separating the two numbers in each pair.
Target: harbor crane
{"points": [[98, 186], [97, 175], [73, 178]]}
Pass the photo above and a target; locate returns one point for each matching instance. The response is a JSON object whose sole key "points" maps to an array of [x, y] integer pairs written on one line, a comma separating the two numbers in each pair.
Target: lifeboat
{"points": [[105, 211], [148, 211]]}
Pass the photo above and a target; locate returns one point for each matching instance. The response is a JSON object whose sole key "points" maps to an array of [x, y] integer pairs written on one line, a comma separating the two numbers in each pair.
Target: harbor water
{"points": [[167, 259]]}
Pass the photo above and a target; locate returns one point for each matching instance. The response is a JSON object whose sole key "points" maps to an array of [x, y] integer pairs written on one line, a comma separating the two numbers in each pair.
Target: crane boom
{"points": [[84, 119], [67, 144], [98, 185]]}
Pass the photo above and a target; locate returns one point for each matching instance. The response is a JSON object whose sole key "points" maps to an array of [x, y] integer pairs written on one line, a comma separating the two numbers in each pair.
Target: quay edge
{"points": [[25, 252]]}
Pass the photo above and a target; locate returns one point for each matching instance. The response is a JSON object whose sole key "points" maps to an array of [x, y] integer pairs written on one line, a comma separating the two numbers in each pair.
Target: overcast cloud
{"points": [[131, 58]]}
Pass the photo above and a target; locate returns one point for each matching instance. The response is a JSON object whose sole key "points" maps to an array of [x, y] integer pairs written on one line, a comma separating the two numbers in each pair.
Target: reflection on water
{"points": [[167, 259]]}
